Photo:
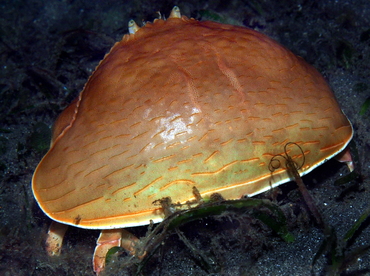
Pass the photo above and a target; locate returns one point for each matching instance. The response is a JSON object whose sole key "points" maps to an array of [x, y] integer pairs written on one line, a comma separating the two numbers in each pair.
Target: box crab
{"points": [[175, 104]]}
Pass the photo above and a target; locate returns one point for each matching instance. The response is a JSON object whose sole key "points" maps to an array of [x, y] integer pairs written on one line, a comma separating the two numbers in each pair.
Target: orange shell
{"points": [[183, 103]]}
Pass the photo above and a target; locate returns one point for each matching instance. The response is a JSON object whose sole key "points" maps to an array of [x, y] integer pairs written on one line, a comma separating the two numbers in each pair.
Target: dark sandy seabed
{"points": [[49, 48]]}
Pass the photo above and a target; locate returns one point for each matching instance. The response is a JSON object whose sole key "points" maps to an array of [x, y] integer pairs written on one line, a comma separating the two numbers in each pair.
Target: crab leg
{"points": [[345, 156], [54, 238], [109, 239]]}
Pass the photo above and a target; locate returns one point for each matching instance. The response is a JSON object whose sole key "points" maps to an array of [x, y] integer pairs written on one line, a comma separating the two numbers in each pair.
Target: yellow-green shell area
{"points": [[183, 103]]}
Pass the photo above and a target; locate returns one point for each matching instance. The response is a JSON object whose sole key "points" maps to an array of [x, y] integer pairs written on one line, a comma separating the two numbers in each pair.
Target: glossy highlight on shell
{"points": [[180, 103]]}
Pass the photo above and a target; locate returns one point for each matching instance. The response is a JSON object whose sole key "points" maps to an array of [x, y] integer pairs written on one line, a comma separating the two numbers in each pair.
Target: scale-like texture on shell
{"points": [[178, 104]]}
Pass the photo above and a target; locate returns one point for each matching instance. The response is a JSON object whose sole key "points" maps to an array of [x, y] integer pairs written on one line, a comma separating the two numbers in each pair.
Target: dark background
{"points": [[49, 48]]}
